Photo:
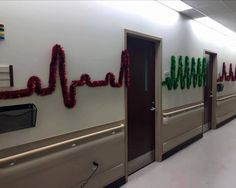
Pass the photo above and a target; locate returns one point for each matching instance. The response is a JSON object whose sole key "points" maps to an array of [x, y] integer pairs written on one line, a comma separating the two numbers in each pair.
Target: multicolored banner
{"points": [[2, 34]]}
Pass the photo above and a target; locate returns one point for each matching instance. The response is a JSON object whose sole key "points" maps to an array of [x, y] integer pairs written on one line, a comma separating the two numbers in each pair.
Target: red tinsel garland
{"points": [[225, 76], [69, 93]]}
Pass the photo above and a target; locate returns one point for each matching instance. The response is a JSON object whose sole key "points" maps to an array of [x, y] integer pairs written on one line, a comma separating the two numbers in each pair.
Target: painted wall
{"points": [[92, 34]]}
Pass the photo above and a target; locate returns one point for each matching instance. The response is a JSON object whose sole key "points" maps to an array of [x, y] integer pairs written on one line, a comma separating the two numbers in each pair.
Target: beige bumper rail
{"points": [[59, 146], [175, 112], [226, 97]]}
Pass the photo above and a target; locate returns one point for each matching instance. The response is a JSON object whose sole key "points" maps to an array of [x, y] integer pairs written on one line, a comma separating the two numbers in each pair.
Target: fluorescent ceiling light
{"points": [[216, 26], [176, 5]]}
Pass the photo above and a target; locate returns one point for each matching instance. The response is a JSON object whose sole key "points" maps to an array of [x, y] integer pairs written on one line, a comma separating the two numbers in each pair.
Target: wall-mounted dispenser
{"points": [[6, 76], [17, 117], [220, 87]]}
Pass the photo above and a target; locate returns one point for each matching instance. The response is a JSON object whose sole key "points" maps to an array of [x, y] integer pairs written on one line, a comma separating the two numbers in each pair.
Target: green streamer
{"points": [[199, 72], [174, 81], [180, 76], [204, 71], [186, 76], [187, 72], [193, 72]]}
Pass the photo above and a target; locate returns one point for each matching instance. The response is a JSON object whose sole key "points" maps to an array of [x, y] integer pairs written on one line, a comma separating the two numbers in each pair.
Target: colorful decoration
{"points": [[69, 93], [186, 76], [2, 35], [225, 76]]}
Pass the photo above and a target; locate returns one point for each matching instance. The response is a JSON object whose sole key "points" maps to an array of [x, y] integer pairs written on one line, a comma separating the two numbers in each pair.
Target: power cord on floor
{"points": [[95, 164]]}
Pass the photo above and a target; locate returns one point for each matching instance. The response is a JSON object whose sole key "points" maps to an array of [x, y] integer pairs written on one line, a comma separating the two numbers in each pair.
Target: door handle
{"points": [[152, 109]]}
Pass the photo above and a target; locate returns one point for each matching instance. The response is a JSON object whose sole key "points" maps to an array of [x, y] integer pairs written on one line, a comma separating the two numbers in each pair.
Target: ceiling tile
{"points": [[230, 4], [223, 11], [203, 3], [217, 9]]}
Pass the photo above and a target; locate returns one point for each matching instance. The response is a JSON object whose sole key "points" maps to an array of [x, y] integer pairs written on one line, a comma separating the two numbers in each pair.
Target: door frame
{"points": [[158, 95], [214, 85]]}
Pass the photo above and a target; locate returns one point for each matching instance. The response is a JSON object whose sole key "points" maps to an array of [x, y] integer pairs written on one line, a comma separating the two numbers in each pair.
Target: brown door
{"points": [[208, 95], [141, 103]]}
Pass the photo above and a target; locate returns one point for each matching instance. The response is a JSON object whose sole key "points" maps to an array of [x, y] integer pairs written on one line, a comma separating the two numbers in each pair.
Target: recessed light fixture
{"points": [[176, 5], [216, 26]]}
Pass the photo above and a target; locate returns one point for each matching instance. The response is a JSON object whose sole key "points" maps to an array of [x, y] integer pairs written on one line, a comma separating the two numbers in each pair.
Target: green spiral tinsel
{"points": [[186, 76]]}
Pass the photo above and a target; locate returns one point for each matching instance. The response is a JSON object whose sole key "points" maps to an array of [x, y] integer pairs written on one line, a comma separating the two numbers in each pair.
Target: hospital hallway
{"points": [[207, 163], [118, 94]]}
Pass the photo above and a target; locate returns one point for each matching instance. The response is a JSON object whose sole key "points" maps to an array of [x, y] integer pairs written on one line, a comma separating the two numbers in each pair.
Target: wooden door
{"points": [[208, 95], [141, 102]]}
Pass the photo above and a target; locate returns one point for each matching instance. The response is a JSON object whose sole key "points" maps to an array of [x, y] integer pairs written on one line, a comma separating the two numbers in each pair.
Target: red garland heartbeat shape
{"points": [[225, 76], [69, 93]]}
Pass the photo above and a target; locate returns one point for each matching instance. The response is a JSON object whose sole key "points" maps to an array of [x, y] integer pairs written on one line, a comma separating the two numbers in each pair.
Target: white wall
{"points": [[92, 34]]}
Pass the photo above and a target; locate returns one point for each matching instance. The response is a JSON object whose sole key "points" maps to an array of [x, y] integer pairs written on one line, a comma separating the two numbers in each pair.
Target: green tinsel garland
{"points": [[186, 76]]}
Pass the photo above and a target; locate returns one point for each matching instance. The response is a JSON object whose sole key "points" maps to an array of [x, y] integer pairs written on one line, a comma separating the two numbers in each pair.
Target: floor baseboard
{"points": [[181, 146], [116, 184], [225, 121]]}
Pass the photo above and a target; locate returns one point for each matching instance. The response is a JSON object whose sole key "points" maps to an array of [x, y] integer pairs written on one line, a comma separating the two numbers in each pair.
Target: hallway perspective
{"points": [[208, 163], [103, 93]]}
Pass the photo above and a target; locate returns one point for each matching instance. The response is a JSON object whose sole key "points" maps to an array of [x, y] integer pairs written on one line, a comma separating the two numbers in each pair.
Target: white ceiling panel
{"points": [[217, 9], [223, 11], [203, 3], [231, 4]]}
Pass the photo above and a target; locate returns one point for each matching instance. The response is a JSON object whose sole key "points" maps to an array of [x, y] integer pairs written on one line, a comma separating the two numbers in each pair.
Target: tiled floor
{"points": [[208, 163]]}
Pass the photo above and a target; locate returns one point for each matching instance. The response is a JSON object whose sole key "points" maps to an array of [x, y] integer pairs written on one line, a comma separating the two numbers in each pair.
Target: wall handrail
{"points": [[174, 112], [226, 97], [11, 160]]}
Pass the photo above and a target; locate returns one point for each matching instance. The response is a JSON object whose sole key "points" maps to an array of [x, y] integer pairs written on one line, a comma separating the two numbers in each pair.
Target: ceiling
{"points": [[222, 11]]}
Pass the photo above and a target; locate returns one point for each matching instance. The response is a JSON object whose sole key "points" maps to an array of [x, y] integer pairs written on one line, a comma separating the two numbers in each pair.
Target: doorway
{"points": [[210, 92], [141, 102]]}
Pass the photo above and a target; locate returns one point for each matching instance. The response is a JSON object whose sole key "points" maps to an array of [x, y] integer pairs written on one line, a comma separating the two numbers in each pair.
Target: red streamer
{"points": [[69, 93], [225, 76]]}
